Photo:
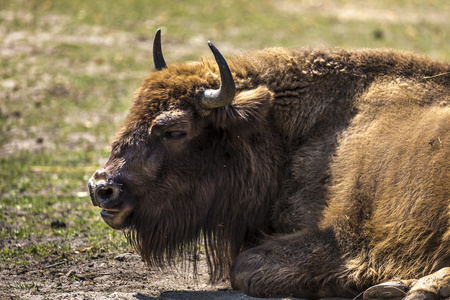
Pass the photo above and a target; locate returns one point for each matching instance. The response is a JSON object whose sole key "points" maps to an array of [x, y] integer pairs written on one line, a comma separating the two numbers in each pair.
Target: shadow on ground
{"points": [[207, 295]]}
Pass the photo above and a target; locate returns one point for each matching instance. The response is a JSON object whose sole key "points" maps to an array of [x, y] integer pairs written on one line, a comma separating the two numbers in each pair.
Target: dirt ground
{"points": [[105, 276]]}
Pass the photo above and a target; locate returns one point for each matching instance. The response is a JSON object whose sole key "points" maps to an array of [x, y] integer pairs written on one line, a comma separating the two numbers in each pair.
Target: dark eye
{"points": [[173, 135]]}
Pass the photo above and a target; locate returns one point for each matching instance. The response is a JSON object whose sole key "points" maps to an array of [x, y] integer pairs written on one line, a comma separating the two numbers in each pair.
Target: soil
{"points": [[104, 276]]}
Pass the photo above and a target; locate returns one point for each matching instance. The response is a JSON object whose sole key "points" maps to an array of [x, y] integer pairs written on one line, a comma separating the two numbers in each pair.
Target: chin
{"points": [[117, 219]]}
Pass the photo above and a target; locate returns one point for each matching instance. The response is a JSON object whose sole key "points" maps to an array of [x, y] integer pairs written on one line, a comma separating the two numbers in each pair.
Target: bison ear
{"points": [[247, 111]]}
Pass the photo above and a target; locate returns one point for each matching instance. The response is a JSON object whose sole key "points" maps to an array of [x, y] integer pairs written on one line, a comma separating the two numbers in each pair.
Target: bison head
{"points": [[195, 158]]}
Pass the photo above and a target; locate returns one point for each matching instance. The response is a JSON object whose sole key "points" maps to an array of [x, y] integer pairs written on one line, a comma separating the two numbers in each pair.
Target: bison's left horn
{"points": [[158, 58], [225, 94]]}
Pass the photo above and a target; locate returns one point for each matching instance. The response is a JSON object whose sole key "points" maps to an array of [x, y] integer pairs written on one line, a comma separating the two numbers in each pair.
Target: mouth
{"points": [[109, 212], [117, 218]]}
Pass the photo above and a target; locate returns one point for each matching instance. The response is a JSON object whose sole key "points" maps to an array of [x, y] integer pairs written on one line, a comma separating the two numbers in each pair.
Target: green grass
{"points": [[39, 188], [68, 70]]}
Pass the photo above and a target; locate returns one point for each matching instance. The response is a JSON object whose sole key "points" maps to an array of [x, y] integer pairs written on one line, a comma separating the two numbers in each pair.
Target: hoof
{"points": [[391, 289]]}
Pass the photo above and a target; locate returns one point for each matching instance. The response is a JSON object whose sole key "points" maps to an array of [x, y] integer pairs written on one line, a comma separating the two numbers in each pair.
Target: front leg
{"points": [[434, 286], [305, 265]]}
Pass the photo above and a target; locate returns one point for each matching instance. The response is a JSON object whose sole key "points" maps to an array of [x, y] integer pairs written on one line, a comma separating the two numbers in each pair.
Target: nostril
{"points": [[105, 193]]}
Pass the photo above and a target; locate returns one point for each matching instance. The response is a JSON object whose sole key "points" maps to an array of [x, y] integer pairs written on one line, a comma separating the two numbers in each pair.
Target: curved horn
{"points": [[158, 58], [225, 94]]}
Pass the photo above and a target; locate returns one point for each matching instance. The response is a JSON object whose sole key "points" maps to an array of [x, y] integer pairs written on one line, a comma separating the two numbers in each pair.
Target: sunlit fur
{"points": [[328, 173]]}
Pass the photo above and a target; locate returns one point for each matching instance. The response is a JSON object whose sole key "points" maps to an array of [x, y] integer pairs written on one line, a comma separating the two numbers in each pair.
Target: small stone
{"points": [[57, 224]]}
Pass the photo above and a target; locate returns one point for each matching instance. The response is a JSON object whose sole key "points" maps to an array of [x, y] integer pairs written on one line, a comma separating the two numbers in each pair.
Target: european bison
{"points": [[305, 172]]}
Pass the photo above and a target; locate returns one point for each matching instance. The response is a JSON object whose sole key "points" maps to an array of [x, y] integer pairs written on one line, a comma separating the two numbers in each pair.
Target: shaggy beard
{"points": [[165, 241], [224, 223]]}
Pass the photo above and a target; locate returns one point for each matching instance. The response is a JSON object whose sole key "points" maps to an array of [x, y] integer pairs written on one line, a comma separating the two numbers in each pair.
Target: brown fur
{"points": [[327, 174]]}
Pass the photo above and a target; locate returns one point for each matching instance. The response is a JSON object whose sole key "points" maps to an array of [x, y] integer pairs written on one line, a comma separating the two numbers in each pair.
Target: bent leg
{"points": [[305, 265], [433, 286]]}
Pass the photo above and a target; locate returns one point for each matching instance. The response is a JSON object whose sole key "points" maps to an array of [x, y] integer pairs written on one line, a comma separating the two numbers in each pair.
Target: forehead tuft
{"points": [[173, 87], [169, 117], [172, 91]]}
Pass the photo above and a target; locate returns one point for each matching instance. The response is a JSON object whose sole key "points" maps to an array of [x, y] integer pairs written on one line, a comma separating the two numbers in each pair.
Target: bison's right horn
{"points": [[158, 58], [225, 94]]}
